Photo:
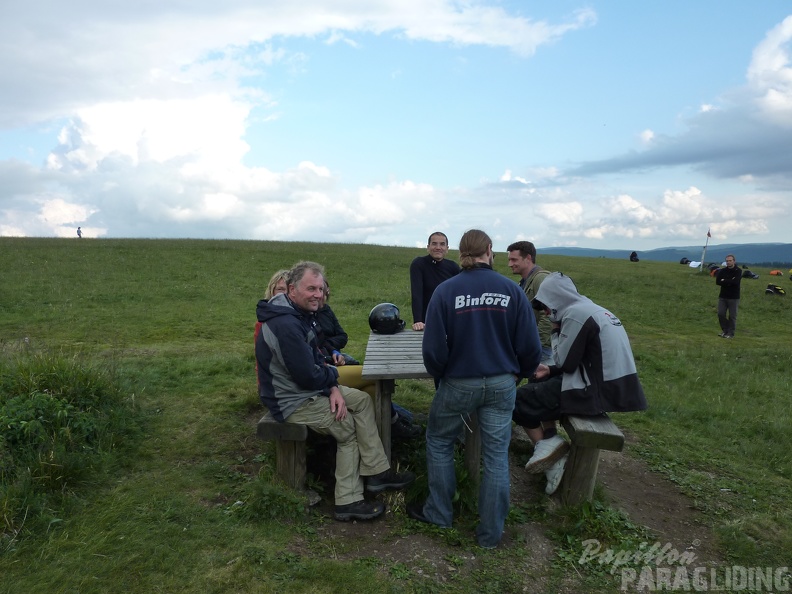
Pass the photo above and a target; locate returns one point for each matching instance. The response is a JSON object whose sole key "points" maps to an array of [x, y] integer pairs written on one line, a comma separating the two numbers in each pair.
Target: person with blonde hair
{"points": [[480, 339], [277, 284]]}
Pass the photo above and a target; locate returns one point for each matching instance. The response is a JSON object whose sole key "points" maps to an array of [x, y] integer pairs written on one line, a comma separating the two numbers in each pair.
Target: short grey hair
{"points": [[298, 271]]}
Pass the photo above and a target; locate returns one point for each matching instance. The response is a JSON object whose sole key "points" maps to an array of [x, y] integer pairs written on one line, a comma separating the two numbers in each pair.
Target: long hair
{"points": [[473, 245], [281, 275]]}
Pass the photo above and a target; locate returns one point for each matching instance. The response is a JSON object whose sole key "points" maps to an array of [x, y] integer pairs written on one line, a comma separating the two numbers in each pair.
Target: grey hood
{"points": [[559, 293]]}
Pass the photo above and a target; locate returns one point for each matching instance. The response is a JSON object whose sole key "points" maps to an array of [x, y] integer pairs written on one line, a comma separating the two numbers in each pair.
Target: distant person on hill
{"points": [[728, 279], [522, 261], [480, 338], [79, 233], [332, 338], [593, 371], [426, 273], [634, 257], [297, 386]]}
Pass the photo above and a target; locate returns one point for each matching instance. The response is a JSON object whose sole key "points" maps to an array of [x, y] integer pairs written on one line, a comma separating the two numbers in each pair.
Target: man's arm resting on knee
{"points": [[337, 404]]}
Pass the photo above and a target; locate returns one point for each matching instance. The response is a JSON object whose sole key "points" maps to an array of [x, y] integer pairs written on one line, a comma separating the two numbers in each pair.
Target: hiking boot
{"points": [[415, 512], [403, 429], [722, 335], [359, 510], [546, 452], [728, 336], [554, 475], [390, 480]]}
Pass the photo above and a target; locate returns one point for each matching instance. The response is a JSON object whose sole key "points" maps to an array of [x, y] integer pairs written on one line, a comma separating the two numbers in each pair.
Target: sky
{"points": [[601, 124]]}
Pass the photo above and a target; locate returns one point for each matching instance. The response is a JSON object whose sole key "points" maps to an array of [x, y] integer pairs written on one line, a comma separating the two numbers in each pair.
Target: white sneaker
{"points": [[546, 452], [554, 475]]}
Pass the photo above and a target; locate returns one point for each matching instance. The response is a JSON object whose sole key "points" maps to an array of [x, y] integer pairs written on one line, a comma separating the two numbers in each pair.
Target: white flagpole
{"points": [[704, 253]]}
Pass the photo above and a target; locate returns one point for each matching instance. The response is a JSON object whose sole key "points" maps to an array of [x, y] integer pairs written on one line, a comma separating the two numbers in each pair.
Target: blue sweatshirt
{"points": [[480, 324]]}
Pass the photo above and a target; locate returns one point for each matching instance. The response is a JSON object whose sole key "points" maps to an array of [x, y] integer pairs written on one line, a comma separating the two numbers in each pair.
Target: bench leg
{"points": [[580, 475], [382, 412], [291, 464]]}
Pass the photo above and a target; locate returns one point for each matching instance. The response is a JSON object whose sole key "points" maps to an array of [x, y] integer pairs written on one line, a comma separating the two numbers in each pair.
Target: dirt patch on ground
{"points": [[651, 500], [396, 544]]}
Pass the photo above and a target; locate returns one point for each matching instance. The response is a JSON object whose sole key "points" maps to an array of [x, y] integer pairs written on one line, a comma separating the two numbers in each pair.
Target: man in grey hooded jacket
{"points": [[593, 371]]}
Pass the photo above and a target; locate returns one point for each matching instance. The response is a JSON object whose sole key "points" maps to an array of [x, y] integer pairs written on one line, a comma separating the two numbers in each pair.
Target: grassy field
{"points": [[191, 507]]}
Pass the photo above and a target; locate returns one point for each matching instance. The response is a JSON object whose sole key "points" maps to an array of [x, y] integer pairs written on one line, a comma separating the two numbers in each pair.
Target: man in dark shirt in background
{"points": [[426, 273], [728, 279]]}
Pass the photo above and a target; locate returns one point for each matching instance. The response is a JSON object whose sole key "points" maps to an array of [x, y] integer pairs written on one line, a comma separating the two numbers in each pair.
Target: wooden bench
{"points": [[588, 435], [289, 449]]}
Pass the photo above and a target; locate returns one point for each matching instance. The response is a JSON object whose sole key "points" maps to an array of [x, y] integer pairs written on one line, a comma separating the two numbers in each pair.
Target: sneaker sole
{"points": [[387, 487], [552, 487], [547, 462], [358, 516]]}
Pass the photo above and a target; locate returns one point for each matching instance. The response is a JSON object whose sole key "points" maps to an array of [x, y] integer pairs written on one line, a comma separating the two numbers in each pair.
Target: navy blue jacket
{"points": [[289, 365], [480, 324]]}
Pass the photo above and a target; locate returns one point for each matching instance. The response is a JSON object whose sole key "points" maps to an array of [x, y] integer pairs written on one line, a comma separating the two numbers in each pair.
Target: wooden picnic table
{"points": [[398, 356]]}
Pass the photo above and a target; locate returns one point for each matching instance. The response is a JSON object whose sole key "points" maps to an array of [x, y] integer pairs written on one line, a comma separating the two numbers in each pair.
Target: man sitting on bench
{"points": [[297, 386], [593, 372]]}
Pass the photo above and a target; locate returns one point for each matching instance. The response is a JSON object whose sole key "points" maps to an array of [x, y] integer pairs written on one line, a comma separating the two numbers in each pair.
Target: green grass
{"points": [[186, 506]]}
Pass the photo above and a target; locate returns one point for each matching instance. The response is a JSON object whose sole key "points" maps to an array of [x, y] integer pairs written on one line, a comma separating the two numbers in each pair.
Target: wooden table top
{"points": [[394, 356]]}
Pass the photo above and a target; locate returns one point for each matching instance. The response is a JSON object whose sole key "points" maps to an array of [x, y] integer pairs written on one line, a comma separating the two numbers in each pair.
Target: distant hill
{"points": [[756, 254]]}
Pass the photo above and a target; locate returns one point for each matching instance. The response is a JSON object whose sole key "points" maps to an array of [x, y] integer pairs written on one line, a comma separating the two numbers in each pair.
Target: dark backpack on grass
{"points": [[775, 290]]}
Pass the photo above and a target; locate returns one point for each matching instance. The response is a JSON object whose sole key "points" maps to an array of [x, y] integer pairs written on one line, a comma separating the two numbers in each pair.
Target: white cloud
{"points": [[158, 104], [207, 129], [770, 73], [563, 214], [632, 210], [86, 54]]}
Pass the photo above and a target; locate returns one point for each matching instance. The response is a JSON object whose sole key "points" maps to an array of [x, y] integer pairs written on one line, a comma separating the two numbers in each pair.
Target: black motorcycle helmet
{"points": [[384, 319]]}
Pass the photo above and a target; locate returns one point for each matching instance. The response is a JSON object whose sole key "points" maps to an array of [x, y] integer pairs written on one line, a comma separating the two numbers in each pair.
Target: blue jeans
{"points": [[492, 398]]}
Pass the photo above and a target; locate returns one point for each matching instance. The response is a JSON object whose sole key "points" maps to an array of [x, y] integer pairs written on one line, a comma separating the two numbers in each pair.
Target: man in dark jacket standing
{"points": [[298, 386], [426, 273], [480, 337], [728, 279]]}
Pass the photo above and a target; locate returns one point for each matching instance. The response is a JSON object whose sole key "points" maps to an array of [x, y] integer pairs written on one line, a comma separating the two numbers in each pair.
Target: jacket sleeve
{"points": [[569, 343], [435, 344], [338, 339], [728, 278], [416, 290], [302, 361], [528, 347]]}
